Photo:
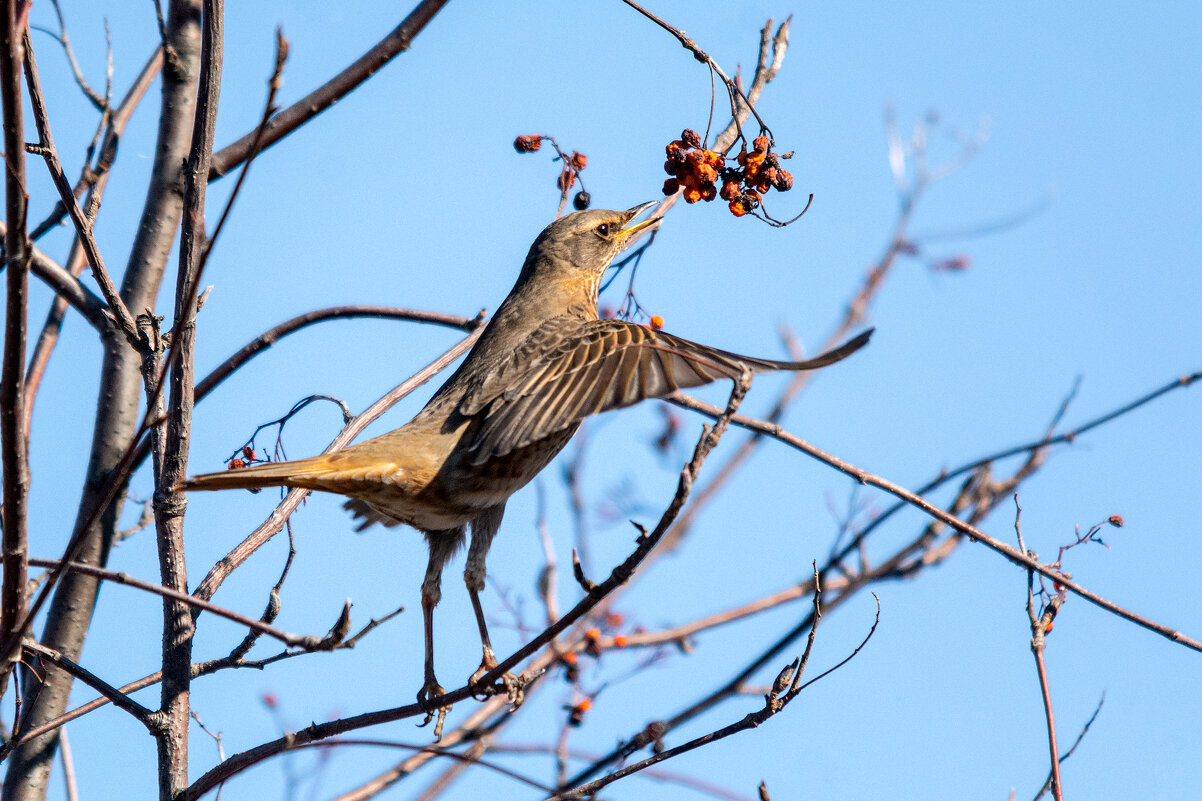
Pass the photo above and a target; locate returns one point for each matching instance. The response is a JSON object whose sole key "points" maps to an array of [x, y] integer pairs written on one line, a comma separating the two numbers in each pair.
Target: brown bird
{"points": [[544, 363]]}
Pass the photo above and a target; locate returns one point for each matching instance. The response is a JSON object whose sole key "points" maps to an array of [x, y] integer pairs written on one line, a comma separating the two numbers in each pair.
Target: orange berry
{"points": [[1115, 520], [657, 322], [236, 464], [688, 180], [736, 208], [621, 640], [675, 146], [730, 190], [593, 634], [713, 158], [248, 452], [761, 143], [569, 658], [706, 173], [708, 192], [614, 619], [692, 195], [578, 161], [1048, 630]]}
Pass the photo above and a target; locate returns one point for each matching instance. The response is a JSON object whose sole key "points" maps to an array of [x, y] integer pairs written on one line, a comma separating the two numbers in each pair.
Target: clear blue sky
{"points": [[409, 193]]}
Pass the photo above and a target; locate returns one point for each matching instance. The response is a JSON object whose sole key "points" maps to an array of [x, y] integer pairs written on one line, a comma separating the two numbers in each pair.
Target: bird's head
{"points": [[581, 246]]}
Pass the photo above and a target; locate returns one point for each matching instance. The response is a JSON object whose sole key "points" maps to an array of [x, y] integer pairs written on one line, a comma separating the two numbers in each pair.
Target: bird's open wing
{"points": [[557, 378]]}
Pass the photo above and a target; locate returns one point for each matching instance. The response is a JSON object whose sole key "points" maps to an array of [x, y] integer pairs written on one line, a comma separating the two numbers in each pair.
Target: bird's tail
{"points": [[304, 473]]}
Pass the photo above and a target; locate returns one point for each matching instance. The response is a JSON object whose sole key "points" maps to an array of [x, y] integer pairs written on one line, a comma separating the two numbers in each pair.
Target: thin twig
{"points": [[83, 226], [118, 698], [305, 641], [934, 511]]}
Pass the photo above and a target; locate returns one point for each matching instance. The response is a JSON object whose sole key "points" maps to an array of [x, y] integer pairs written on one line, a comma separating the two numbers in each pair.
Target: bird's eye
{"points": [[602, 230]]}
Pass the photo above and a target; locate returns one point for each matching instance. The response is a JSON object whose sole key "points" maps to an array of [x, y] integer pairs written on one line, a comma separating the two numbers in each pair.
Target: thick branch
{"points": [[14, 460]]}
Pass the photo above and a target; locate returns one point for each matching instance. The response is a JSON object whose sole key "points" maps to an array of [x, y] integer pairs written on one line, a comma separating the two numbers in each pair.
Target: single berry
{"points": [[671, 186], [581, 200], [578, 161], [761, 143], [527, 144], [657, 322], [783, 181], [690, 138]]}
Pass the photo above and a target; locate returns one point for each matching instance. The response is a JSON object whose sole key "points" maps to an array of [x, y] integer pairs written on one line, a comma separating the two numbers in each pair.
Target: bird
{"points": [[542, 365]]}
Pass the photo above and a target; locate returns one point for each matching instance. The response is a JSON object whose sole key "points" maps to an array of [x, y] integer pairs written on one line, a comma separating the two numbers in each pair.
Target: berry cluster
{"points": [[695, 170], [247, 458]]}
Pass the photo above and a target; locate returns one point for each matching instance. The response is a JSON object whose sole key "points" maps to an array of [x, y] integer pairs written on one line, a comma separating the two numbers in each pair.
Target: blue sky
{"points": [[409, 193]]}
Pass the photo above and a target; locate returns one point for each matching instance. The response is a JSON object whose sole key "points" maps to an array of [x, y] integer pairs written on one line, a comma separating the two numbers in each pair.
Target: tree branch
{"points": [[1009, 552], [66, 192], [332, 91], [14, 459]]}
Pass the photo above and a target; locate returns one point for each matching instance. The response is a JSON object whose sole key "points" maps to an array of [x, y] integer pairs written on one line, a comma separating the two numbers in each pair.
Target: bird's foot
{"points": [[425, 696], [511, 685]]}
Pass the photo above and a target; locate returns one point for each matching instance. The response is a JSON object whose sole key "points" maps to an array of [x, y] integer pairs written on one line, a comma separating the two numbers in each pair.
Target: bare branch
{"points": [[14, 457], [110, 693], [332, 91], [934, 511], [83, 225]]}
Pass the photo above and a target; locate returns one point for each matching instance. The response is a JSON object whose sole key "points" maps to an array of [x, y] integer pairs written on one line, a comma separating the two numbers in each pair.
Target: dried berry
{"points": [[692, 195], [581, 200], [236, 464], [565, 180], [690, 138], [761, 143], [527, 144], [578, 160], [730, 190], [1115, 520], [783, 180], [671, 186]]}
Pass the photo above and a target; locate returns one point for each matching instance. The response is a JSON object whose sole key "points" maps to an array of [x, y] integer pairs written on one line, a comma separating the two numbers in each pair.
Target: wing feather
{"points": [[569, 369]]}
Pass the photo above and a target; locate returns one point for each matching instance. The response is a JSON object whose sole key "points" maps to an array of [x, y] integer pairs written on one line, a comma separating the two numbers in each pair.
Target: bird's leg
{"points": [[484, 528], [442, 545]]}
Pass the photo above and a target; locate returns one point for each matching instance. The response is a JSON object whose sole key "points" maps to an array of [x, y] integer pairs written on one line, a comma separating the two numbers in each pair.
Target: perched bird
{"points": [[544, 363]]}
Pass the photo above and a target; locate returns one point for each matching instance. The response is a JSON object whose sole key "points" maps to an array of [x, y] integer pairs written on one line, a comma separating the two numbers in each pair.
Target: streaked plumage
{"points": [[544, 363]]}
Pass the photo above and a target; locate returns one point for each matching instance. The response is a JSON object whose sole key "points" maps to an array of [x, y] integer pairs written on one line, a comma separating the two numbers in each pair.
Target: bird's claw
{"points": [[429, 691], [513, 686]]}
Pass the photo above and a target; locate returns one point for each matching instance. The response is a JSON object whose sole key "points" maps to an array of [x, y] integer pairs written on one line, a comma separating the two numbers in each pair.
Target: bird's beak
{"points": [[632, 228]]}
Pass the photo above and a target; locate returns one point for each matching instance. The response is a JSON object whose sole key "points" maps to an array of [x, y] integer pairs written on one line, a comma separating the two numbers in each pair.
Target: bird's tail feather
{"points": [[299, 473]]}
